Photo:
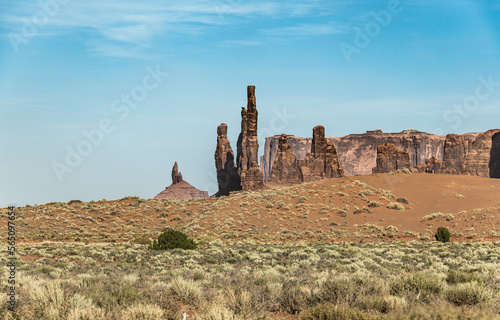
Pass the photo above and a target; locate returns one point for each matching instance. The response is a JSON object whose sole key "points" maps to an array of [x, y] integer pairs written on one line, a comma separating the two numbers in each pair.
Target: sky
{"points": [[98, 99]]}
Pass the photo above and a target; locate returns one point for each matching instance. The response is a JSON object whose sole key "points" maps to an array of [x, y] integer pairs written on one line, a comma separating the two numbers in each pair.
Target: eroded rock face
{"points": [[248, 147], [478, 161], [176, 175], [391, 158], [357, 153], [227, 174], [286, 170], [431, 165], [495, 156], [322, 162], [456, 150]]}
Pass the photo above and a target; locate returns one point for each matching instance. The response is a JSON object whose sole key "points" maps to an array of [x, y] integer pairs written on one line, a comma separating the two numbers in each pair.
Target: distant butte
{"points": [[180, 189]]}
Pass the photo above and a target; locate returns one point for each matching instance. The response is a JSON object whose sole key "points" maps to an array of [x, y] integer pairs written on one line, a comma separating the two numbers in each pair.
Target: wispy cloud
{"points": [[241, 43], [307, 30], [110, 25]]}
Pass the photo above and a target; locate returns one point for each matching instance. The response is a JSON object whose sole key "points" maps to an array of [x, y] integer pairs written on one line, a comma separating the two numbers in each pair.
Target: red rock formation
{"points": [[478, 160], [322, 162], [176, 175], [391, 158], [286, 168], [456, 150], [227, 173], [180, 189], [431, 165], [495, 156], [358, 152], [248, 147]]}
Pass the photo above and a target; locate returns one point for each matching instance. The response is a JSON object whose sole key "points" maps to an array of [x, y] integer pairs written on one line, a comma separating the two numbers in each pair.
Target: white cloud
{"points": [[241, 43], [307, 30], [136, 23]]}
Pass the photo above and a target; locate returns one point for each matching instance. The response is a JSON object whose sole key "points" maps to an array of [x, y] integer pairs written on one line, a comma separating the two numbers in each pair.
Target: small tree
{"points": [[173, 239], [443, 235]]}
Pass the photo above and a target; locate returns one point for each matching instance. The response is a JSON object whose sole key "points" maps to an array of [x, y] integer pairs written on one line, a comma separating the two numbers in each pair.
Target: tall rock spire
{"points": [[176, 175], [227, 173], [248, 146]]}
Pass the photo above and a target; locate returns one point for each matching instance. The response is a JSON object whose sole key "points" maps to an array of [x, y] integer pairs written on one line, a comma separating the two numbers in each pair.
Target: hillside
{"points": [[361, 208]]}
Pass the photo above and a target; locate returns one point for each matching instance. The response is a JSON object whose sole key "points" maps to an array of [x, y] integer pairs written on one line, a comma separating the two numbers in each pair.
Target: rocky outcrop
{"points": [[357, 153], [456, 150], [286, 169], [431, 165], [479, 159], [391, 158], [322, 162], [228, 178], [180, 189], [251, 176], [176, 175], [495, 156]]}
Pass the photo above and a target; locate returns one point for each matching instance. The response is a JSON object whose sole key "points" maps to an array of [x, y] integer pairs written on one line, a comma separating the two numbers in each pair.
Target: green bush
{"points": [[443, 235], [173, 239]]}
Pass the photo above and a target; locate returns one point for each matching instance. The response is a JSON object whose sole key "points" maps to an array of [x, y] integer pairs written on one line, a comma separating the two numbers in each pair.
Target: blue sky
{"points": [[67, 68]]}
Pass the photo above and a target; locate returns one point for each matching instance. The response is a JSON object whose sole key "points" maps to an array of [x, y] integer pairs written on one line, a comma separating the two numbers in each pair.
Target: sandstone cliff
{"points": [[495, 156], [391, 158], [357, 153], [479, 159], [456, 150]]}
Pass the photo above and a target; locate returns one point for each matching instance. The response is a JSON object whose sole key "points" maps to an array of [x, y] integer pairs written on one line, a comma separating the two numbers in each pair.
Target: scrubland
{"points": [[351, 248]]}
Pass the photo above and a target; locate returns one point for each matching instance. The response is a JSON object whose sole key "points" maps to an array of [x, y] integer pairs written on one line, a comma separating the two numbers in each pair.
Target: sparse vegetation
{"points": [[259, 281], [396, 206]]}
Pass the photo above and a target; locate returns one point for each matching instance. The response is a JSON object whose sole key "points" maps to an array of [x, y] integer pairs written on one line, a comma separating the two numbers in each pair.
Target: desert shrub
{"points": [[302, 199], [366, 192], [217, 312], [74, 201], [439, 215], [402, 200], [334, 312], [142, 240], [336, 290], [469, 293], [173, 239], [455, 277], [186, 291], [142, 311], [396, 206], [440, 312], [443, 235], [405, 170], [293, 299], [419, 282], [374, 204]]}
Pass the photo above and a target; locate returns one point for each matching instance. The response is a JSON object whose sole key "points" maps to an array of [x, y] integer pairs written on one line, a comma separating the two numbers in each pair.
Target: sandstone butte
{"points": [[180, 189]]}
